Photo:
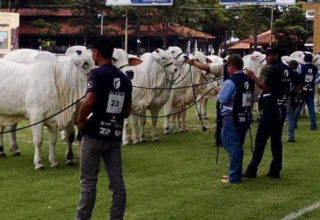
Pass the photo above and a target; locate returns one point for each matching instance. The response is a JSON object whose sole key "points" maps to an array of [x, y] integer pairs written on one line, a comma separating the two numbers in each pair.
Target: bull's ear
{"points": [[133, 61], [208, 60]]}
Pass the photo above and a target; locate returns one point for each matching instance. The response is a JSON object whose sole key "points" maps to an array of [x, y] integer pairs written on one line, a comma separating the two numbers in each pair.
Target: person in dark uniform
{"points": [[294, 100], [275, 90], [107, 103], [309, 73], [236, 98]]}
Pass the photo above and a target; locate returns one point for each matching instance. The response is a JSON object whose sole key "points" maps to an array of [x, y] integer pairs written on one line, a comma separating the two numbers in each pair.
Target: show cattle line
{"points": [[51, 87]]}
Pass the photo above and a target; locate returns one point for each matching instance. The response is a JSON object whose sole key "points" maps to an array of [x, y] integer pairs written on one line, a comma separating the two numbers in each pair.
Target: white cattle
{"points": [[26, 56], [217, 81], [183, 94], [255, 62], [154, 73], [45, 86], [23, 56]]}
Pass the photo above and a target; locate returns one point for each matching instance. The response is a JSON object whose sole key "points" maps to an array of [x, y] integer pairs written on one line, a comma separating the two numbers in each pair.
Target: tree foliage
{"points": [[292, 29], [86, 16]]}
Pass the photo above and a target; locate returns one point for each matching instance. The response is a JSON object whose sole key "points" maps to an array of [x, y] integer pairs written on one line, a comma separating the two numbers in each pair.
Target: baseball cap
{"points": [[272, 50]]}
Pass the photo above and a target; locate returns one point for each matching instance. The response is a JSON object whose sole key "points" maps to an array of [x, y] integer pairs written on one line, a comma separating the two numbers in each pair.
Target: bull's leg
{"points": [[69, 132], [154, 120], [203, 108], [2, 154], [134, 122], [52, 138], [37, 142], [125, 141], [142, 124], [13, 140], [184, 121], [166, 124], [63, 135]]}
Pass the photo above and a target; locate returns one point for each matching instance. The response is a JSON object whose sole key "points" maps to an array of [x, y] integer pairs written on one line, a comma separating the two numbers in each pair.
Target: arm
{"points": [[198, 65], [128, 110], [256, 80], [85, 109]]}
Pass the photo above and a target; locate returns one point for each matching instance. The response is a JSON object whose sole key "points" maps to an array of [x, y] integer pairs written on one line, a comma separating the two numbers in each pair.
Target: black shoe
{"points": [[249, 175], [274, 175]]}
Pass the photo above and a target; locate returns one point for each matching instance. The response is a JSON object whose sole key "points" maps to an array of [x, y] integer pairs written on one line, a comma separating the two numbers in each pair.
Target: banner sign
{"points": [[259, 2], [139, 2]]}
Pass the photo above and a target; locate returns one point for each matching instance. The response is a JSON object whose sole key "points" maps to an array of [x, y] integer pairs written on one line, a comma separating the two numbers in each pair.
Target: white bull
{"points": [[183, 93], [154, 73], [45, 86], [255, 62], [26, 56], [217, 62]]}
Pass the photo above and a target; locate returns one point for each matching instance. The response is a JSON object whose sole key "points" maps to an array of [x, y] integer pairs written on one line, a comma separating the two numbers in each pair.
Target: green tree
{"points": [[85, 14], [292, 29], [181, 12]]}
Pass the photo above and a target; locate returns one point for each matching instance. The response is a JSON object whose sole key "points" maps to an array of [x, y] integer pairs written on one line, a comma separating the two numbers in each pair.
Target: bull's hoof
{"points": [[55, 165], [70, 163], [3, 155], [142, 141], [16, 153], [166, 132], [155, 139], [39, 167], [125, 143], [135, 141]]}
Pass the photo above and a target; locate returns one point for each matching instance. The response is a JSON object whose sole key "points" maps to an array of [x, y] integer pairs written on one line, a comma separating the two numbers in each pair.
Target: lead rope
{"points": [[198, 112]]}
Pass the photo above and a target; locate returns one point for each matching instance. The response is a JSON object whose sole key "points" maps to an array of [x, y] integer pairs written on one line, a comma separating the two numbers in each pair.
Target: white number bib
{"points": [[246, 99], [115, 102], [309, 78]]}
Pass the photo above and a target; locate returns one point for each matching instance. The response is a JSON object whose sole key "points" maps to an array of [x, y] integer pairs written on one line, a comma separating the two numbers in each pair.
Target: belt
{"points": [[226, 115]]}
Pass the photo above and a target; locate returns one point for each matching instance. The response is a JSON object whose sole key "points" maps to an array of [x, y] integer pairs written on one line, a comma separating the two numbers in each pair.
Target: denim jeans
{"points": [[309, 99], [232, 140], [91, 152], [291, 109]]}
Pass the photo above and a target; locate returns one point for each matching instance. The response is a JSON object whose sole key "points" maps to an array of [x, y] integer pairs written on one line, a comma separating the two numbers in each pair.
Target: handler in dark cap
{"points": [[235, 98], [309, 73], [276, 87], [101, 117]]}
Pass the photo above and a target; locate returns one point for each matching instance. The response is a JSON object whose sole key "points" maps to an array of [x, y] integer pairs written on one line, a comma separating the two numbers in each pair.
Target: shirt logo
{"points": [[309, 70], [116, 83], [246, 85], [286, 73], [90, 84]]}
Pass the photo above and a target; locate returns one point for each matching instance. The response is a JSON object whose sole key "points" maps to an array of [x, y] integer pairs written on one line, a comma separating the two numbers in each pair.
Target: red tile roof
{"points": [[263, 38], [37, 12]]}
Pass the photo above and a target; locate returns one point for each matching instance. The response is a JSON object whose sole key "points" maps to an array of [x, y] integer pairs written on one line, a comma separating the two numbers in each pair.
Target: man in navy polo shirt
{"points": [[101, 117]]}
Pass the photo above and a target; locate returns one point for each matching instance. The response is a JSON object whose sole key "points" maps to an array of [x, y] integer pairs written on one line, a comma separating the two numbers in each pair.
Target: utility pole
{"points": [[255, 37], [271, 25]]}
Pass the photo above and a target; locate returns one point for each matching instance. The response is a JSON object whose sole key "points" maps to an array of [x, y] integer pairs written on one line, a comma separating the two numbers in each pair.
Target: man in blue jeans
{"points": [[309, 73], [101, 117], [236, 97]]}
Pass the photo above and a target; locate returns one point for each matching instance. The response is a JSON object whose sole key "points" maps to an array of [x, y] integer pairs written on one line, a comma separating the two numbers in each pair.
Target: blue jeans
{"points": [[309, 99], [91, 152], [291, 109], [232, 140]]}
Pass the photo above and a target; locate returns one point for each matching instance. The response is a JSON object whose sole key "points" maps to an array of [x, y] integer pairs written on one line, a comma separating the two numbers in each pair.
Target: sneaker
{"points": [[290, 140], [249, 175]]}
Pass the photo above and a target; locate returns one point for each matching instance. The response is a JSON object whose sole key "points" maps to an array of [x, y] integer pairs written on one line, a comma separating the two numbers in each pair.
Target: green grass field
{"points": [[175, 178]]}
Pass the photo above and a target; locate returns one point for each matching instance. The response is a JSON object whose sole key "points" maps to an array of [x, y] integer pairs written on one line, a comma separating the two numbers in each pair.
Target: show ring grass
{"points": [[175, 178]]}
